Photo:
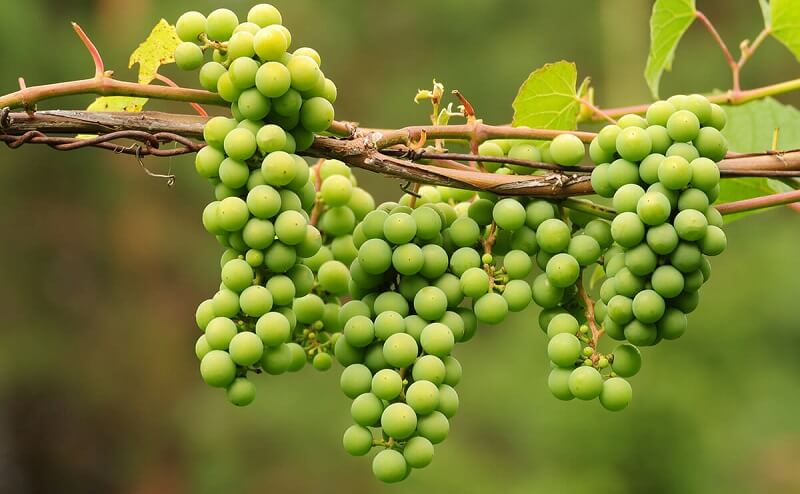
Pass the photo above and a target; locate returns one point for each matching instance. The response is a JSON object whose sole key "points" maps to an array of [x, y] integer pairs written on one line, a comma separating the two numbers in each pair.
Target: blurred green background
{"points": [[103, 267]]}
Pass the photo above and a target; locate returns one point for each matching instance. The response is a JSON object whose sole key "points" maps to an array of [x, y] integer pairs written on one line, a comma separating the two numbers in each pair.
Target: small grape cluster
{"points": [[565, 150], [265, 316]]}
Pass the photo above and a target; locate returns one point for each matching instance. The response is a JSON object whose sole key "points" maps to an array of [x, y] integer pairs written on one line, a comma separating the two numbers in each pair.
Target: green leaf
{"points": [[548, 98], [669, 20], [785, 16], [158, 49], [749, 130], [765, 12]]}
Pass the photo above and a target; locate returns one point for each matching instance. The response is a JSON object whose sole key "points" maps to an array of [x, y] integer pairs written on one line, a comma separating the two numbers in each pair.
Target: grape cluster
{"points": [[565, 150], [265, 316]]}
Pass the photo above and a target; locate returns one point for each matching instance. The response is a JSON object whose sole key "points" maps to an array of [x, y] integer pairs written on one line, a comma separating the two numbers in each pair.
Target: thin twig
{"points": [[761, 202]]}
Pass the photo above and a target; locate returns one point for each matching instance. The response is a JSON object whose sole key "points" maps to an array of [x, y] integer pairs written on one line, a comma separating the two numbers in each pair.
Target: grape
{"points": [[311, 243], [400, 350], [310, 308], [278, 168], [217, 369], [641, 260], [517, 264], [509, 214], [387, 384], [658, 113], [264, 14], [567, 150], [690, 225], [253, 105], [693, 199], [448, 401], [375, 256], [430, 303], [399, 420], [640, 334], [558, 383], [545, 294], [633, 143], [693, 281], [713, 242], [246, 348], [220, 24], [241, 392], [607, 138], [631, 120], [304, 71], [564, 349], [389, 466], [718, 118], [437, 339], [684, 150], [585, 383], [237, 275], [563, 270], [553, 236], [270, 43], [453, 371], [648, 306], [562, 323], [334, 277], [450, 285], [356, 379], [357, 440], [648, 168], [226, 303], [434, 427], [234, 174], [621, 172], [290, 227], [418, 452], [521, 151], [190, 26], [599, 230], [210, 74], [683, 126], [616, 394], [659, 138], [627, 360], [620, 309], [686, 257], [423, 397], [227, 90], [207, 162], [366, 409], [667, 281], [240, 47], [429, 368], [662, 239], [537, 212], [627, 197], [279, 258], [216, 129], [597, 154], [491, 308], [219, 333], [388, 323], [255, 301], [338, 221], [399, 228], [627, 283], [627, 229], [316, 114], [672, 325], [390, 301], [188, 56], [464, 232], [653, 208], [600, 183]]}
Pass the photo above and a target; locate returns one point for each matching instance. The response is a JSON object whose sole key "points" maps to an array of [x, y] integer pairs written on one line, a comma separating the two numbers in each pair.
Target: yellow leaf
{"points": [[117, 103], [158, 49]]}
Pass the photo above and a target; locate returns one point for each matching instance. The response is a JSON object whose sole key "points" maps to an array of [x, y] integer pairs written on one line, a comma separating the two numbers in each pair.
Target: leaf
{"points": [[669, 20], [117, 103], [765, 12], [749, 130], [158, 49], [548, 98], [785, 16]]}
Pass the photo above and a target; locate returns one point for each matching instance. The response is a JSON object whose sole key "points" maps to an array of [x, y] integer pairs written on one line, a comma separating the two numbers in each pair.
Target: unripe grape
{"points": [[491, 308], [597, 154], [711, 143], [585, 383], [220, 24], [567, 150], [718, 117], [400, 350], [632, 120], [690, 225], [607, 138], [190, 26], [600, 183], [683, 126], [714, 241], [537, 212], [675, 172], [640, 334], [545, 294], [357, 440], [616, 394], [672, 325], [418, 452], [621, 172], [217, 369], [389, 466], [188, 56], [659, 139], [658, 113], [304, 72], [620, 309], [627, 360], [430, 303], [553, 236], [653, 208], [366, 409], [434, 426], [564, 349], [627, 197], [684, 150], [633, 143], [509, 214], [562, 270], [641, 260], [387, 384], [264, 14], [648, 306], [627, 229], [558, 383]]}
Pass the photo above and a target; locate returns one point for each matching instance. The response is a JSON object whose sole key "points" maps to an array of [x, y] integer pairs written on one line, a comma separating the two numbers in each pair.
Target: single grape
{"points": [[641, 260], [633, 143], [693, 199], [316, 114], [355, 380], [684, 150], [437, 339], [553, 236], [558, 383], [491, 308], [683, 126], [658, 113], [675, 172], [241, 392], [627, 229], [392, 301], [464, 232], [389, 466], [263, 15], [620, 309], [705, 174], [418, 452], [563, 270], [585, 383], [366, 409], [648, 306], [672, 325], [640, 334], [714, 241], [434, 426], [567, 150], [667, 281], [387, 384], [304, 72], [690, 225], [621, 172], [357, 440], [375, 256], [509, 214], [616, 394], [545, 294], [430, 303], [662, 239], [632, 120], [334, 277], [653, 208], [246, 348], [627, 197], [423, 397], [217, 369], [400, 350], [564, 349], [190, 25]]}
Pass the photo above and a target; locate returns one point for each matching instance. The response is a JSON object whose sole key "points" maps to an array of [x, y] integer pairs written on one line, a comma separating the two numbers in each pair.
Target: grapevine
{"points": [[313, 271]]}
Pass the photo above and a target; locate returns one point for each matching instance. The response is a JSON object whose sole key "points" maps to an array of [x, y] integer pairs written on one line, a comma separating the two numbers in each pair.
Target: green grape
{"points": [[282, 289], [684, 150], [641, 260], [428, 222], [387, 384], [311, 243], [355, 380], [563, 270], [522, 151], [208, 161], [567, 150], [190, 26], [430, 303], [366, 409], [241, 392], [429, 368], [399, 228], [713, 194], [220, 24], [632, 120], [537, 212], [627, 229], [607, 138], [517, 294], [410, 285], [524, 240], [627, 283], [373, 223], [204, 314], [422, 397], [188, 56], [553, 236], [278, 168], [237, 275], [304, 72], [434, 427], [210, 74], [613, 329], [316, 114], [346, 354], [217, 369], [272, 79], [246, 348], [279, 257], [264, 14], [310, 308], [686, 302], [491, 148], [672, 325], [667, 281], [453, 371], [400, 350], [464, 232], [627, 360], [564, 349], [600, 183], [693, 199], [653, 208], [270, 43], [361, 202], [714, 241], [690, 225], [558, 383], [334, 277], [585, 383], [226, 303], [234, 174], [508, 214], [270, 138], [389, 466], [616, 394], [599, 155], [415, 325], [303, 279], [437, 339], [253, 105], [392, 301], [242, 73], [563, 323], [633, 143], [336, 190], [600, 230], [648, 306], [683, 126], [659, 138], [693, 281], [418, 452], [388, 323], [273, 328], [361, 278], [627, 197], [545, 294], [640, 334], [491, 308], [448, 401], [517, 264], [700, 106], [608, 289], [219, 333], [718, 118], [227, 90], [375, 256], [290, 227], [240, 47], [357, 440], [216, 129], [338, 221], [662, 239], [621, 172], [255, 301], [658, 113], [450, 285], [620, 309]]}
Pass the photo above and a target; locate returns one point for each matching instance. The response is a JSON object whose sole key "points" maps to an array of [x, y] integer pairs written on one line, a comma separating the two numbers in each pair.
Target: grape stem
{"points": [[596, 332], [99, 67], [318, 203], [761, 202]]}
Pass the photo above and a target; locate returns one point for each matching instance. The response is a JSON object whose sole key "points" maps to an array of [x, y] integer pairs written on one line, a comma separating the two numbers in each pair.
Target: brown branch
{"points": [[761, 202]]}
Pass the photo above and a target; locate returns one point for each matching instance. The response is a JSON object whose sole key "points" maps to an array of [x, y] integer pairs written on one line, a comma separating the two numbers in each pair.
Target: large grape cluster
{"points": [[265, 316]]}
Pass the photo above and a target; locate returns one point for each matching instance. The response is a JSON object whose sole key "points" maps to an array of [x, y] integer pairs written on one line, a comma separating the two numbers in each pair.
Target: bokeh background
{"points": [[102, 268]]}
